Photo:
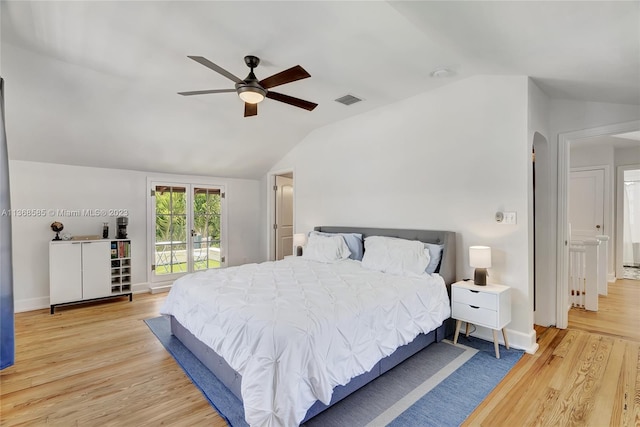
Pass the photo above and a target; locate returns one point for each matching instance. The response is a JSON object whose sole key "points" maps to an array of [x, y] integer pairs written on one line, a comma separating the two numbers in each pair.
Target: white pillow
{"points": [[396, 256], [326, 248]]}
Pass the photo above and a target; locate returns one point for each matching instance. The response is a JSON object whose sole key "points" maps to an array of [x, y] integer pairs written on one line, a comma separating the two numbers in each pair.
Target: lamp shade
{"points": [[480, 256], [299, 239], [251, 97]]}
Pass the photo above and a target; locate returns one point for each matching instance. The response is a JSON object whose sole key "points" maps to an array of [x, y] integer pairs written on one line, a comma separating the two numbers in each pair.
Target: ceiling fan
{"points": [[253, 91]]}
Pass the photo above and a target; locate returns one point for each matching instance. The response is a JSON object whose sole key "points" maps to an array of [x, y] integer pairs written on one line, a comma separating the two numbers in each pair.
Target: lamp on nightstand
{"points": [[299, 240], [480, 258]]}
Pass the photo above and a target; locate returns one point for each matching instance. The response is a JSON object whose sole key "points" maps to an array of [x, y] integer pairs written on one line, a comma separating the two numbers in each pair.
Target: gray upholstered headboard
{"points": [[448, 262]]}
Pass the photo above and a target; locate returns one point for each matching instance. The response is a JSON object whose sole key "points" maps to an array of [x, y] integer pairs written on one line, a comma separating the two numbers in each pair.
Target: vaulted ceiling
{"points": [[95, 83]]}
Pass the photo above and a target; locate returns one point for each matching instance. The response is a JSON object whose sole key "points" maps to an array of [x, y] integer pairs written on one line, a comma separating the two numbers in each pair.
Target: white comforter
{"points": [[295, 329]]}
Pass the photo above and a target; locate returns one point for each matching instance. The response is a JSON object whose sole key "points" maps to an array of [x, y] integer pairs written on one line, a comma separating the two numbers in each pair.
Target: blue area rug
{"points": [[455, 398], [439, 386]]}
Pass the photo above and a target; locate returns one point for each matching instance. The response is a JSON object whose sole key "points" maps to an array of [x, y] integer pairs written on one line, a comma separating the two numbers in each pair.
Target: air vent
{"points": [[348, 99]]}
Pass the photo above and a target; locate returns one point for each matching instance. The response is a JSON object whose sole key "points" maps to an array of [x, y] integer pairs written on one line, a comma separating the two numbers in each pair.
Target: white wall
{"points": [[447, 159], [568, 115], [53, 186], [585, 156], [627, 156]]}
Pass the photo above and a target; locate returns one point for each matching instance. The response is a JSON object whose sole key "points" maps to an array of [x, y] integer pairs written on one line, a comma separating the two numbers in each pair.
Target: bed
{"points": [[268, 321]]}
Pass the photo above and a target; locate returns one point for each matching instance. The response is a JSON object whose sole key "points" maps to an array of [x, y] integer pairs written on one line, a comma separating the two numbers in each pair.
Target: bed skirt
{"points": [[232, 380]]}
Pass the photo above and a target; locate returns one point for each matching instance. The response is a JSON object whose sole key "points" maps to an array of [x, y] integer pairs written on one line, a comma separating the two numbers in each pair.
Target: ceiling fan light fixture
{"points": [[251, 94], [253, 91]]}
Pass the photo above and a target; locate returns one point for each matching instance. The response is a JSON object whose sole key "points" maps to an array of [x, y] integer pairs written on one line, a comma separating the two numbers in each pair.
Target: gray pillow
{"points": [[435, 251], [353, 241]]}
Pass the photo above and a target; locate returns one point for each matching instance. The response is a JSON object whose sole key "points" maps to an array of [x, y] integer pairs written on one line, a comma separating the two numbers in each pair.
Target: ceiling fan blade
{"points": [[202, 92], [250, 109], [286, 76], [296, 102], [216, 68]]}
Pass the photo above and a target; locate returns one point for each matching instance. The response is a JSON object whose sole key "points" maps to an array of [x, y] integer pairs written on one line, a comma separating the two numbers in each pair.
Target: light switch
{"points": [[509, 218]]}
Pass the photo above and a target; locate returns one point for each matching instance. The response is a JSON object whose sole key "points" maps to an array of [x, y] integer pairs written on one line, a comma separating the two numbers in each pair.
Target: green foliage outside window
{"points": [[171, 218]]}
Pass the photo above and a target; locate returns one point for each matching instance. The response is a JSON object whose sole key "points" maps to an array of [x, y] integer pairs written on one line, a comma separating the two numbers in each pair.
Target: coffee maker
{"points": [[122, 222]]}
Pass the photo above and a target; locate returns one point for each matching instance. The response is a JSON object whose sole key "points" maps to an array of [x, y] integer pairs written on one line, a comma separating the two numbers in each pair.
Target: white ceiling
{"points": [[94, 83]]}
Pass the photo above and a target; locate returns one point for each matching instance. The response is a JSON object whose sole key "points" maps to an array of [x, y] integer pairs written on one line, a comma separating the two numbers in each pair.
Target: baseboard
{"points": [[140, 288], [519, 340], [611, 278], [30, 304], [156, 288]]}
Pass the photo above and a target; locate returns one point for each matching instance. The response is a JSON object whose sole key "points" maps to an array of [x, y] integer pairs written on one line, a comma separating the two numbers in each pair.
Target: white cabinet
{"points": [[65, 272], [80, 271], [120, 266], [488, 306]]}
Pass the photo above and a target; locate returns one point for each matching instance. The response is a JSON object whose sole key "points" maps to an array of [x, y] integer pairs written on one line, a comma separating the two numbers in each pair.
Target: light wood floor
{"points": [[100, 365], [586, 375]]}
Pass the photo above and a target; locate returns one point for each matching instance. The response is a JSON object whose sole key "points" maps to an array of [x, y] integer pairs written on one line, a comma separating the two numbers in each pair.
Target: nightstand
{"points": [[488, 306]]}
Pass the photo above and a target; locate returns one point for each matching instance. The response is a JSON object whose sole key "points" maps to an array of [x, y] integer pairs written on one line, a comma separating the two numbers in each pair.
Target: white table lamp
{"points": [[480, 258], [299, 240]]}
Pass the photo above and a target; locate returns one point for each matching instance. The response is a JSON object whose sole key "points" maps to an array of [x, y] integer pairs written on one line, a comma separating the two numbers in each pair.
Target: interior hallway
{"points": [[618, 314]]}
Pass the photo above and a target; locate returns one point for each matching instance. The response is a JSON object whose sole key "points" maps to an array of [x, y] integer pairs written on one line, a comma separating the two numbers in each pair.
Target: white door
{"points": [[284, 216], [186, 228], [206, 228], [96, 269], [586, 204]]}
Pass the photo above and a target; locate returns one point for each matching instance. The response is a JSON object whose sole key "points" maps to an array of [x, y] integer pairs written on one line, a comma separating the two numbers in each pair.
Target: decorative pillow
{"points": [[353, 241], [325, 248], [394, 255], [435, 253]]}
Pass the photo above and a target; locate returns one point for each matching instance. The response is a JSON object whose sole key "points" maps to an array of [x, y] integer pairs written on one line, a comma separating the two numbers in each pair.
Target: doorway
{"points": [[283, 215], [628, 243], [185, 229], [563, 234], [542, 224]]}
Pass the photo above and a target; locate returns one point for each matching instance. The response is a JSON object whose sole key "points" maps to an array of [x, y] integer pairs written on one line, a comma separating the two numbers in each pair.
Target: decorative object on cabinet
{"points": [[105, 230], [122, 222], [299, 240], [86, 237], [488, 306], [480, 258], [88, 270], [57, 227]]}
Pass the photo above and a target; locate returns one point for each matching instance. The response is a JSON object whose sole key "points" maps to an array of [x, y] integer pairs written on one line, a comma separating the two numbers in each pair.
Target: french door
{"points": [[187, 229]]}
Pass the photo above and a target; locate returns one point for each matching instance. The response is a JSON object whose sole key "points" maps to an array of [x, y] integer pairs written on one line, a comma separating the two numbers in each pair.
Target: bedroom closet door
{"points": [[187, 229], [284, 216]]}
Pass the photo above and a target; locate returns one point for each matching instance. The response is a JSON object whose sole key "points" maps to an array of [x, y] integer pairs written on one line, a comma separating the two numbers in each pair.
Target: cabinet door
{"points": [[65, 272], [96, 269]]}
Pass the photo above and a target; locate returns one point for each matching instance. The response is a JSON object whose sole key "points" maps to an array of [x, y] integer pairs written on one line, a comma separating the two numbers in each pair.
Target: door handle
{"points": [[598, 226]]}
